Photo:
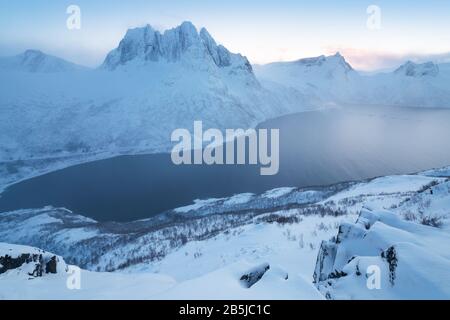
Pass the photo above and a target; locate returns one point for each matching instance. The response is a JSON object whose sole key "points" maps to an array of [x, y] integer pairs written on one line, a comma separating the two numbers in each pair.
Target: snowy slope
{"points": [[412, 85], [382, 193], [413, 260], [18, 284], [330, 80], [119, 246], [216, 242], [35, 61], [440, 172]]}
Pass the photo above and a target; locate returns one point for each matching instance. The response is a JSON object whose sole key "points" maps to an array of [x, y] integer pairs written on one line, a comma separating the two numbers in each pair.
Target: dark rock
{"points": [[50, 266], [390, 256], [7, 262], [336, 274], [325, 261], [253, 276], [38, 268]]}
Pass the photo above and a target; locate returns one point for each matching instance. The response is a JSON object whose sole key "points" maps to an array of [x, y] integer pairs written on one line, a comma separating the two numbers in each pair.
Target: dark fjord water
{"points": [[316, 148]]}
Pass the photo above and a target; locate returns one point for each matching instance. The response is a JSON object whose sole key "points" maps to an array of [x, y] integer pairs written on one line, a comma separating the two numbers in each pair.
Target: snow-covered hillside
{"points": [[275, 237], [325, 80], [331, 80], [413, 260], [412, 85], [35, 61], [239, 280]]}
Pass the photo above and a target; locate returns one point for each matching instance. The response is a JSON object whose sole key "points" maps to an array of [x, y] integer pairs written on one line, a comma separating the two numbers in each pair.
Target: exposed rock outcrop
{"points": [[252, 276], [382, 256], [31, 261], [142, 45]]}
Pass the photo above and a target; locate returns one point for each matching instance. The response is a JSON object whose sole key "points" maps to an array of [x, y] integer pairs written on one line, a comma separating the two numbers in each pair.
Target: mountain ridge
{"points": [[36, 61], [147, 45]]}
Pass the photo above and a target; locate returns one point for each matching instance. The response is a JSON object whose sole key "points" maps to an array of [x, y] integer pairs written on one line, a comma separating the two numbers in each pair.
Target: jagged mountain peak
{"points": [[137, 34], [332, 61], [339, 59], [412, 69], [145, 44]]}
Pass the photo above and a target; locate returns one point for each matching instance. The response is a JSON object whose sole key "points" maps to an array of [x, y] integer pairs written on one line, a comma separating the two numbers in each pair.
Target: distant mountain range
{"points": [[332, 80], [155, 82]]}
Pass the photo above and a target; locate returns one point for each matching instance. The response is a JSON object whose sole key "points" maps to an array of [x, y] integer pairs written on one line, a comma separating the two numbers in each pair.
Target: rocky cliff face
{"points": [[181, 44], [29, 261]]}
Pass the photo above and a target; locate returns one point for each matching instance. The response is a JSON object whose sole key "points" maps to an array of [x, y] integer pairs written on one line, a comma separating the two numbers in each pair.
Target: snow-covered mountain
{"points": [[326, 80], [331, 80], [36, 61], [414, 85], [150, 85], [411, 69], [255, 248], [183, 43]]}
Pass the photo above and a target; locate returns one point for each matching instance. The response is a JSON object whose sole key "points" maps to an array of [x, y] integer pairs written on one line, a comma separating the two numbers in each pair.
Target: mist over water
{"points": [[316, 148], [361, 142]]}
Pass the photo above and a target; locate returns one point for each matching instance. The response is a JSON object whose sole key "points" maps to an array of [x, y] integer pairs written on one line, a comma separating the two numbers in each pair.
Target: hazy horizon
{"points": [[264, 32]]}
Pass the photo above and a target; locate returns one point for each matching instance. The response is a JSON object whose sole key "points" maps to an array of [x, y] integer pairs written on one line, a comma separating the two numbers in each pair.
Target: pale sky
{"points": [[264, 31]]}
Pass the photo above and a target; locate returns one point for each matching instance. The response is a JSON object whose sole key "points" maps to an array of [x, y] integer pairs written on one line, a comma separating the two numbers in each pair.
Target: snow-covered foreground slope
{"points": [[245, 247], [227, 282], [413, 260]]}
